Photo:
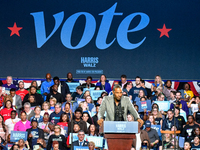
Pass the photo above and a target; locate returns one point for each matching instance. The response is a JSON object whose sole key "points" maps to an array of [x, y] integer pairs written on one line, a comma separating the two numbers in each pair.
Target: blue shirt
{"points": [[55, 118], [38, 119], [75, 106], [35, 134], [135, 91], [45, 88]]}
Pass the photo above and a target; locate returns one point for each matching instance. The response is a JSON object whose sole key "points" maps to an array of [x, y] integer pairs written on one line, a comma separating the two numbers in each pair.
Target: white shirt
{"points": [[59, 88], [194, 107], [11, 123], [14, 99], [138, 141], [43, 111]]}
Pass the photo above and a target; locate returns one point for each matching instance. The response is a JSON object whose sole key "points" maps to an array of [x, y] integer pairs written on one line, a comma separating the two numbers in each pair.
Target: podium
{"points": [[120, 134]]}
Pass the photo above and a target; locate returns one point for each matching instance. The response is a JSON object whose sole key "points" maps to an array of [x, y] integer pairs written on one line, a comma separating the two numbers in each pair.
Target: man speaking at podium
{"points": [[116, 107]]}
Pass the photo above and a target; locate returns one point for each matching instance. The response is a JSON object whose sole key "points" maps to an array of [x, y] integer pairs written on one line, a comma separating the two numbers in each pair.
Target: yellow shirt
{"points": [[188, 93]]}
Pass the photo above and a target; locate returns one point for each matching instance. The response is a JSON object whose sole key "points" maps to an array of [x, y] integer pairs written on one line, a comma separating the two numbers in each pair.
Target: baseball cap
{"points": [[148, 124]]}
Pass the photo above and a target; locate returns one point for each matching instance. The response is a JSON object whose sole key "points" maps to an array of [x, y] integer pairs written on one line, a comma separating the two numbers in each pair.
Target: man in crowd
{"points": [[17, 101], [63, 88], [123, 81], [88, 83], [78, 93], [80, 141], [183, 105], [168, 89], [142, 84], [21, 92], [135, 90], [70, 78], [9, 84], [169, 122], [153, 135], [79, 121], [45, 87], [55, 116], [55, 94]]}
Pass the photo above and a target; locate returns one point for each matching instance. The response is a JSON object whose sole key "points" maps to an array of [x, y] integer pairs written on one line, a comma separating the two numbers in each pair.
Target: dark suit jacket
{"points": [[64, 89], [38, 98], [76, 143], [41, 135]]}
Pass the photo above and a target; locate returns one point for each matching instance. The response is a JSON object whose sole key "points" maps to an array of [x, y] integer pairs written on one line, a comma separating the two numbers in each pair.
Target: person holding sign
{"points": [[34, 133], [80, 141], [117, 107]]}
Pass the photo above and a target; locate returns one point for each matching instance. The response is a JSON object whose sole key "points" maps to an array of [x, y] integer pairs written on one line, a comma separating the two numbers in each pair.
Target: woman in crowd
{"points": [[91, 145], [104, 84], [187, 146], [38, 97], [63, 123], [45, 107], [157, 83], [196, 142], [7, 97], [127, 87], [37, 115], [194, 105], [90, 102], [32, 101], [188, 94], [84, 106], [104, 94], [167, 141], [34, 83], [23, 145], [3, 129], [28, 110], [68, 111], [130, 117], [157, 116], [6, 111], [15, 147], [97, 88], [23, 124], [92, 130], [10, 123], [196, 132], [87, 93], [44, 125], [55, 137], [152, 119], [141, 94]]}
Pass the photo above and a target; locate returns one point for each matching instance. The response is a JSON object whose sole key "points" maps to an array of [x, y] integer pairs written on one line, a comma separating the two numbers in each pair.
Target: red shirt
{"points": [[6, 113], [22, 93], [62, 124], [1, 100]]}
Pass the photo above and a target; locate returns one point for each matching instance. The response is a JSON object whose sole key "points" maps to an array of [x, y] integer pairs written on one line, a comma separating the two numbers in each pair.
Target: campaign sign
{"points": [[97, 140], [96, 93], [144, 105], [65, 129], [163, 105], [181, 141], [81, 148], [80, 100], [157, 128], [75, 137], [86, 89], [72, 86], [137, 99], [17, 135]]}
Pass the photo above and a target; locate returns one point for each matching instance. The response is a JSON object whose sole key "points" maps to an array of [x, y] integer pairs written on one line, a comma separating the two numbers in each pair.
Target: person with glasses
{"points": [[57, 136], [80, 141]]}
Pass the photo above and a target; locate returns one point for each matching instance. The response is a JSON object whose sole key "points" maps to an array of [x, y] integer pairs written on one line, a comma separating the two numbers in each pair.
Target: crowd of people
{"points": [[47, 113]]}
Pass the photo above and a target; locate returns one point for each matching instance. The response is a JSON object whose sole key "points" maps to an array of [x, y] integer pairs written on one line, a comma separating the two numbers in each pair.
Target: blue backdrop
{"points": [[88, 37]]}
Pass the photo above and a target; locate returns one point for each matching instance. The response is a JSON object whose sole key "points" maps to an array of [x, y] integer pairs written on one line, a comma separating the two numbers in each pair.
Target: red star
{"points": [[164, 31], [15, 29]]}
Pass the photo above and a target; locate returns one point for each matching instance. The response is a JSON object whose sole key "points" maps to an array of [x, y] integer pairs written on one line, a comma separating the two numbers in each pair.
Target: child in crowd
{"points": [[52, 102], [45, 107], [37, 115]]}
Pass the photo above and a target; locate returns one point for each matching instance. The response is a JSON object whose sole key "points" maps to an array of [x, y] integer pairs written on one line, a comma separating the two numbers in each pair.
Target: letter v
{"points": [[40, 26]]}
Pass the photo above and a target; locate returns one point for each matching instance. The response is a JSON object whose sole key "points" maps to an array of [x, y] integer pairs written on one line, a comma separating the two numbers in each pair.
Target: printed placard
{"points": [[97, 140], [75, 137], [81, 148], [96, 93], [72, 86], [163, 105], [144, 105], [17, 135], [157, 128]]}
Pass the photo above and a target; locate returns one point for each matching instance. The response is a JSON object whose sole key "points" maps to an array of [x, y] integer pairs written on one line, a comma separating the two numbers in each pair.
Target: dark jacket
{"points": [[41, 135], [76, 143], [64, 89], [61, 140], [38, 99], [84, 85], [143, 135], [82, 125]]}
